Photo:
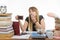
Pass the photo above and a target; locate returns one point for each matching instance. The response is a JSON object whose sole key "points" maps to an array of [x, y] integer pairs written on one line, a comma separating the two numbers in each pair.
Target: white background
{"points": [[20, 7]]}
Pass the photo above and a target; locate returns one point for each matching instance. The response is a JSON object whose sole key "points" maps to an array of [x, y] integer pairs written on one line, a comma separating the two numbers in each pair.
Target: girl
{"points": [[34, 21]]}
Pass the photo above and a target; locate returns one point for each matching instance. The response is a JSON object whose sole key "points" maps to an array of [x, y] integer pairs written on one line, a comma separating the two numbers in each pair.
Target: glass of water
{"points": [[49, 34]]}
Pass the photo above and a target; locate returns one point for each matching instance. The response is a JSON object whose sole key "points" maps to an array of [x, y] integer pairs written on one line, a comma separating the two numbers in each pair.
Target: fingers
{"points": [[16, 17]]}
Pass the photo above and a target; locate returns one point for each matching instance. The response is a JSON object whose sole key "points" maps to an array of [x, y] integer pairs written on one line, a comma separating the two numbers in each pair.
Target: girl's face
{"points": [[32, 13]]}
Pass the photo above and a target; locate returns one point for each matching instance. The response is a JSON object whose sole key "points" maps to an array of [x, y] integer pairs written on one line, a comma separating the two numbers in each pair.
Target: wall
{"points": [[20, 7]]}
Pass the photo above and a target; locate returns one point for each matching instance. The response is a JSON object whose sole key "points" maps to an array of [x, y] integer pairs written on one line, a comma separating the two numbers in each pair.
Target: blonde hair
{"points": [[34, 9]]}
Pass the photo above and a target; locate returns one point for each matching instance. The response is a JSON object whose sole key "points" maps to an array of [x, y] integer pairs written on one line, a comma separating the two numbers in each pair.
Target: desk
{"points": [[24, 39], [28, 37]]}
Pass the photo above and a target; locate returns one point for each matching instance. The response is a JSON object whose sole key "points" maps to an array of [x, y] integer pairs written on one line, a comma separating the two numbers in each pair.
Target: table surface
{"points": [[19, 38], [23, 39]]}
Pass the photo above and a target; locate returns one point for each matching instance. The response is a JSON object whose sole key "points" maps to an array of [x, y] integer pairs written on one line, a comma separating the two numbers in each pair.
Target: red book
{"points": [[16, 28]]}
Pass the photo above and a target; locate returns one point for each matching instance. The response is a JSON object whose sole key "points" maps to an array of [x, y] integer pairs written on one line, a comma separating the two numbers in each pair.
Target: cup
{"points": [[49, 34], [16, 28]]}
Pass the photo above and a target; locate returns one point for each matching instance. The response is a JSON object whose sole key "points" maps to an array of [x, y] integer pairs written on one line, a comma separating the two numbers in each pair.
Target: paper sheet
{"points": [[21, 37]]}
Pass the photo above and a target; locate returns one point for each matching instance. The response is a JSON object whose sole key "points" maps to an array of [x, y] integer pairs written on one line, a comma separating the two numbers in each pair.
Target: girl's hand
{"points": [[16, 17]]}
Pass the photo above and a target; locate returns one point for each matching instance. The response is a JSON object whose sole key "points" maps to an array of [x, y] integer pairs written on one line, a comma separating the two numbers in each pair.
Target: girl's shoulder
{"points": [[41, 17]]}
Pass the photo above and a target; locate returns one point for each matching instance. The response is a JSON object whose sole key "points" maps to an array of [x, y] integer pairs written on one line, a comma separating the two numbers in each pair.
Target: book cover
{"points": [[37, 35]]}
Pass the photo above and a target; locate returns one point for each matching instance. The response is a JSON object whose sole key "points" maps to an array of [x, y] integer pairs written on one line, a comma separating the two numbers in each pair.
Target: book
{"points": [[57, 24], [27, 36], [6, 32], [5, 18], [5, 26], [37, 35], [9, 35], [6, 29], [57, 20], [56, 33], [5, 15]]}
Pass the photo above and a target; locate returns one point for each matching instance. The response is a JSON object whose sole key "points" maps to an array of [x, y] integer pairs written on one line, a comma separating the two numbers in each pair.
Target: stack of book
{"points": [[6, 29], [57, 23], [57, 29], [57, 20], [57, 33]]}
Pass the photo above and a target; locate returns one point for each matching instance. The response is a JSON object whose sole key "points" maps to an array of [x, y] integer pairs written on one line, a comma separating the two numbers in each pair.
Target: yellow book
{"points": [[7, 35], [5, 19], [6, 14]]}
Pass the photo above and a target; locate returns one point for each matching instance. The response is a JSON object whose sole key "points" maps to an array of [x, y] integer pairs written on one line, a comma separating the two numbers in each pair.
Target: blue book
{"points": [[37, 35]]}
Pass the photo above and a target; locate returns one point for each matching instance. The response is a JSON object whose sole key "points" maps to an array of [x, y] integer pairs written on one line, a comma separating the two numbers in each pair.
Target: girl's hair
{"points": [[34, 9]]}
